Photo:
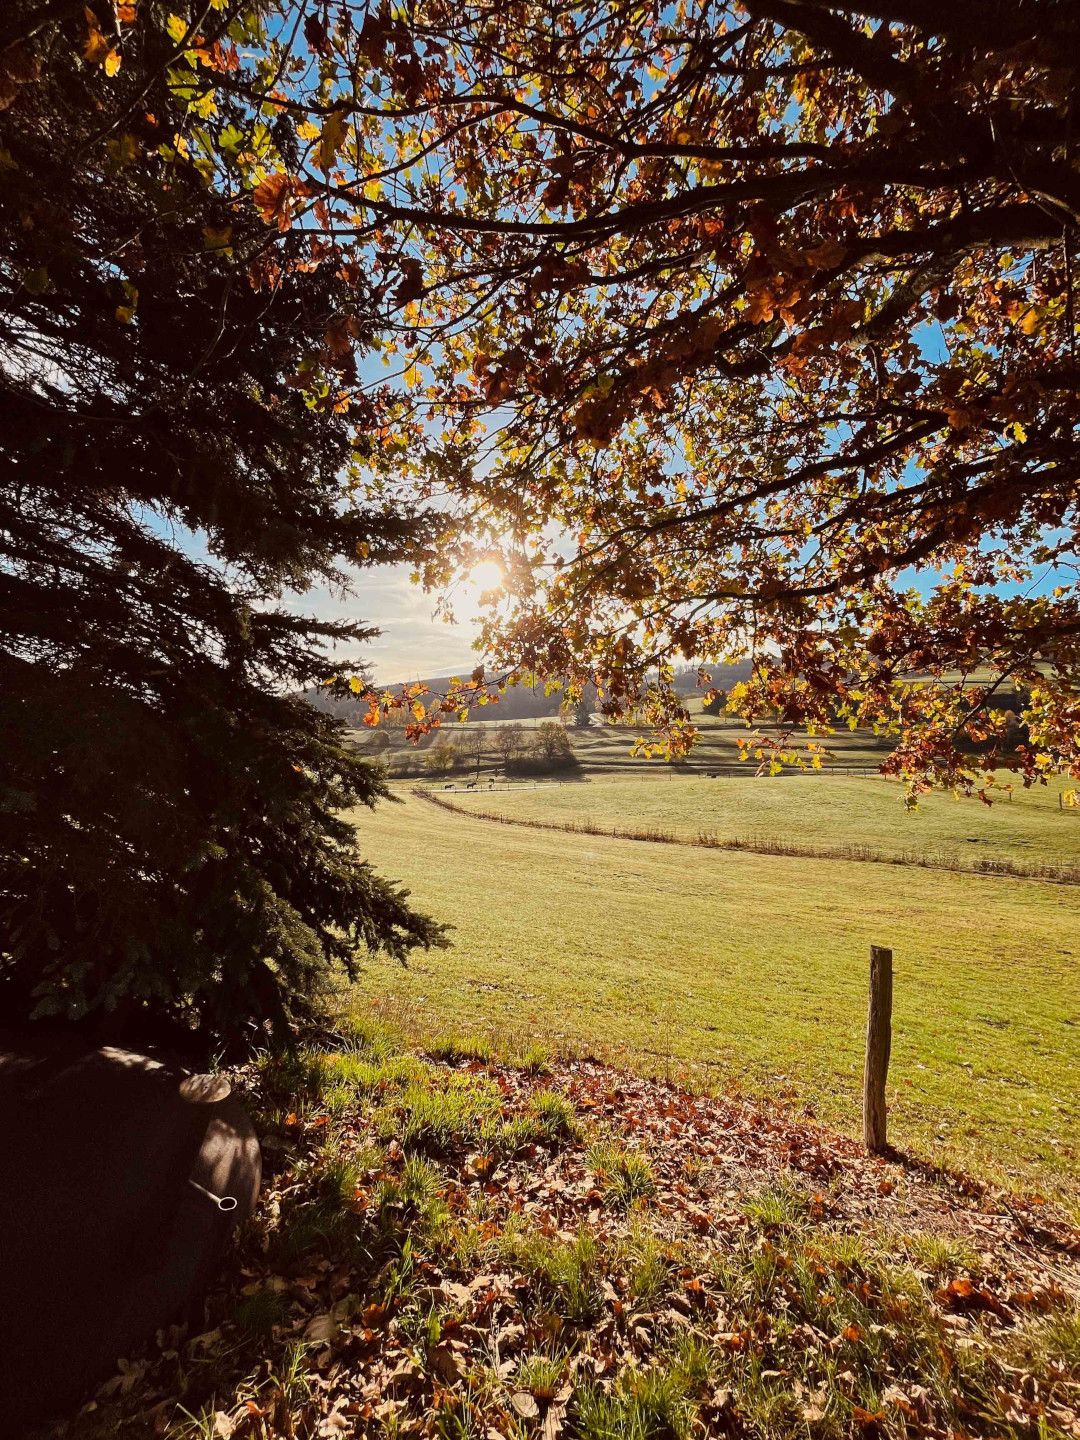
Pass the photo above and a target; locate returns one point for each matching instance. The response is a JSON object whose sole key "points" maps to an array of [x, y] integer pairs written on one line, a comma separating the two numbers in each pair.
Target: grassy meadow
{"points": [[748, 972], [1029, 828]]}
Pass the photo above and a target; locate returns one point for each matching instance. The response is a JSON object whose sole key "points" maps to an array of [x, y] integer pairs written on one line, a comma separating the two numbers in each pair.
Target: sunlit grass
{"points": [[750, 971]]}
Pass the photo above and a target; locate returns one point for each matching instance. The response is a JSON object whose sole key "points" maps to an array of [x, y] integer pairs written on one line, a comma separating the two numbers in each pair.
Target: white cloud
{"points": [[414, 641]]}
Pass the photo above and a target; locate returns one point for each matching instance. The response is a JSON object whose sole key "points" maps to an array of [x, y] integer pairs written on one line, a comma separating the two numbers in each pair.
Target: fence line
{"points": [[770, 845]]}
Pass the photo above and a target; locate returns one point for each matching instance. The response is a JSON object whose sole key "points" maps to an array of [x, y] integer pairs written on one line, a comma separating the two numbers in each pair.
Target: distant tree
{"points": [[581, 712], [443, 756], [714, 704], [174, 838], [551, 742], [474, 747], [509, 741]]}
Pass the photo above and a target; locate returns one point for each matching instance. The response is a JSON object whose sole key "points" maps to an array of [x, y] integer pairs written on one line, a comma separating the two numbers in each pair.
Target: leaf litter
{"points": [[472, 1249]]}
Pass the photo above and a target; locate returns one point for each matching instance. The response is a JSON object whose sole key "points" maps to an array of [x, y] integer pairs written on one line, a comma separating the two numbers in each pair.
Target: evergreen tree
{"points": [[173, 450]]}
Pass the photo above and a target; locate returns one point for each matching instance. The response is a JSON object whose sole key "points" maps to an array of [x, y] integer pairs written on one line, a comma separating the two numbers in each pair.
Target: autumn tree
{"points": [[173, 442], [736, 328], [442, 756], [551, 742], [733, 329], [509, 742]]}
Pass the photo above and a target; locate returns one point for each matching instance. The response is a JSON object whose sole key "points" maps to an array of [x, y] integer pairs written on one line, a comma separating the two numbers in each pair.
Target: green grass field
{"points": [[749, 972], [830, 812]]}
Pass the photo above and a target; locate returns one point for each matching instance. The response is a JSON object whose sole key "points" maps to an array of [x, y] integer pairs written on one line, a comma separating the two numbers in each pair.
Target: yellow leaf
{"points": [[97, 47], [176, 27], [125, 314], [112, 62], [1030, 323], [1016, 431], [219, 241], [332, 138]]}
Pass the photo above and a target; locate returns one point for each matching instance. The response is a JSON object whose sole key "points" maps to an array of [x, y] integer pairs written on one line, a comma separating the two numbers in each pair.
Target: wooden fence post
{"points": [[878, 1046]]}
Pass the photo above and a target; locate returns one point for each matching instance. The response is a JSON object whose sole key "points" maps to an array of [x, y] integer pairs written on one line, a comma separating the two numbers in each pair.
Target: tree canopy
{"points": [[170, 838], [729, 327], [753, 327]]}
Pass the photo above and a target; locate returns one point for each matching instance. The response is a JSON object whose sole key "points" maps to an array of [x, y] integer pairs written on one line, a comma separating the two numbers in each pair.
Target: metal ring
{"points": [[223, 1202]]}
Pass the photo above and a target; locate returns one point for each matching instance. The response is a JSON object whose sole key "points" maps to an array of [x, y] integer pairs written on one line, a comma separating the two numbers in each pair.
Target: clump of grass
{"points": [[642, 1404], [319, 1224], [441, 1119], [782, 1207], [624, 1175], [412, 1198], [337, 1100], [940, 1255], [649, 1265], [509, 1137], [399, 1275], [694, 1171], [295, 1078], [358, 1072], [569, 1272], [281, 1388], [259, 1312], [541, 1374], [372, 1038], [454, 1048], [555, 1115], [322, 1211], [459, 1420], [340, 1179], [534, 1059], [1049, 1340], [548, 1118]]}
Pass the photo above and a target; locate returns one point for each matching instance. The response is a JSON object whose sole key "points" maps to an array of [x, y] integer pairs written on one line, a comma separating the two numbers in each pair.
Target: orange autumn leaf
{"points": [[275, 198]]}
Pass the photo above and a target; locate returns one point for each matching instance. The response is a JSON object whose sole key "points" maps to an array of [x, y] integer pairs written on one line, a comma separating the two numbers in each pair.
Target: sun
{"points": [[488, 575]]}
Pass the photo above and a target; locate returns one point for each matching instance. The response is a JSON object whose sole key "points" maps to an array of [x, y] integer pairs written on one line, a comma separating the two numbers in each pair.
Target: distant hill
{"points": [[521, 702]]}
